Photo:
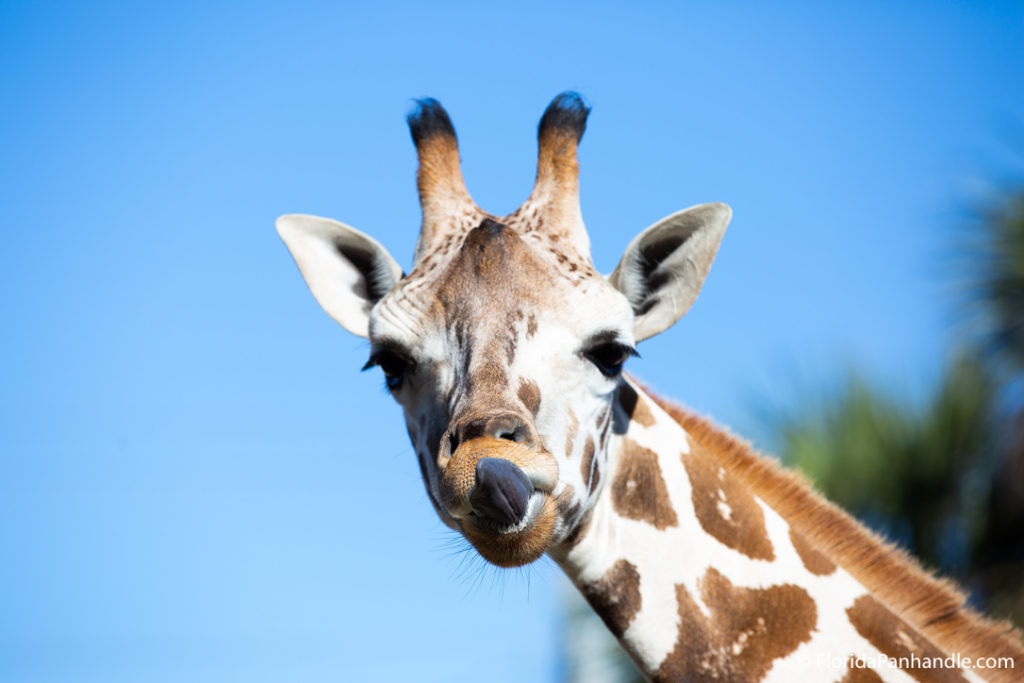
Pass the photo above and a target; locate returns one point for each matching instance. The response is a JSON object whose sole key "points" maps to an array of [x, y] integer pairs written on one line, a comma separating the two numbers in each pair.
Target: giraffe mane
{"points": [[935, 606]]}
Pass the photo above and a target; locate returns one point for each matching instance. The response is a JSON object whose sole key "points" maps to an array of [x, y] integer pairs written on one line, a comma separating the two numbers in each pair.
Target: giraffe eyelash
{"points": [[394, 365], [610, 357]]}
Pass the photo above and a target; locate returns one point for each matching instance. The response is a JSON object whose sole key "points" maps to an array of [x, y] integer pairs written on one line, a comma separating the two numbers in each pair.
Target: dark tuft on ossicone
{"points": [[565, 113], [427, 119]]}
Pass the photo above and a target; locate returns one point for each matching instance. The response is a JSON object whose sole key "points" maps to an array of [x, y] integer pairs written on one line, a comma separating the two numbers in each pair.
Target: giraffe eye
{"points": [[394, 366], [609, 357]]}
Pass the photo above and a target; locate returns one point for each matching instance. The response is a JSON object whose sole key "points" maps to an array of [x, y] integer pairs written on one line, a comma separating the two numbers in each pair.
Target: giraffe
{"points": [[506, 349]]}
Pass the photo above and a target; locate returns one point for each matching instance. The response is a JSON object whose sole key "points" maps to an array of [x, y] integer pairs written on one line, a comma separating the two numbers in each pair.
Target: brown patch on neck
{"points": [[897, 639], [937, 608], [635, 408], [815, 562], [749, 628], [615, 596], [724, 508], [639, 491], [529, 394]]}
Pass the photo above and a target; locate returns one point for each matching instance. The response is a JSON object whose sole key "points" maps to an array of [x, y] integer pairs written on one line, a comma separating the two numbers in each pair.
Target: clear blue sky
{"points": [[196, 481]]}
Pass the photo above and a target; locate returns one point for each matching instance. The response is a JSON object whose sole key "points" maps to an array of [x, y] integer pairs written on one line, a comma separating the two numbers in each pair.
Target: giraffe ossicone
{"points": [[505, 348]]}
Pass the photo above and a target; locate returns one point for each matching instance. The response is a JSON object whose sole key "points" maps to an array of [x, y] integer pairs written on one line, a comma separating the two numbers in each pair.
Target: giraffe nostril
{"points": [[504, 426], [509, 428], [519, 433]]}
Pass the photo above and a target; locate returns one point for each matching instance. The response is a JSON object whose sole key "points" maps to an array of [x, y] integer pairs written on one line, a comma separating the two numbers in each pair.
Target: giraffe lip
{"points": [[545, 479], [534, 506], [517, 544]]}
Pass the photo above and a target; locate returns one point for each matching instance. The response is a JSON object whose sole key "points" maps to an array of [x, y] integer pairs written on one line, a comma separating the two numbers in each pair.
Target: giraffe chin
{"points": [[516, 545]]}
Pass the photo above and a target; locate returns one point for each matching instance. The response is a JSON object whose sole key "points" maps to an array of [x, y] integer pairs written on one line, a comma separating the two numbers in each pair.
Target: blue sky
{"points": [[196, 481]]}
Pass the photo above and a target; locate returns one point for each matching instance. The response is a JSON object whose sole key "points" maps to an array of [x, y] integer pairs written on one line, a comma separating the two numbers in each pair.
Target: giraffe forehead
{"points": [[494, 270], [498, 278]]}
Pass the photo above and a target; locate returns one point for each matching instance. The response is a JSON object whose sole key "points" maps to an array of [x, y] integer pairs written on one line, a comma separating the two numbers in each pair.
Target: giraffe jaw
{"points": [[517, 544]]}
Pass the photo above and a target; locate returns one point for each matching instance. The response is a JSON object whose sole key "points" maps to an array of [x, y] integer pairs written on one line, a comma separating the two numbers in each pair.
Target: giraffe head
{"points": [[503, 344]]}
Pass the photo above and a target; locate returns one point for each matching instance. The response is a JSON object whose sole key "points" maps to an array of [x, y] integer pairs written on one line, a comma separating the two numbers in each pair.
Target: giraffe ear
{"points": [[664, 267], [347, 271]]}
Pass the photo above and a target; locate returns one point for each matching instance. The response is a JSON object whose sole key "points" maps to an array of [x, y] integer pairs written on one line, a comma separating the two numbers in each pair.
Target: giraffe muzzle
{"points": [[499, 493]]}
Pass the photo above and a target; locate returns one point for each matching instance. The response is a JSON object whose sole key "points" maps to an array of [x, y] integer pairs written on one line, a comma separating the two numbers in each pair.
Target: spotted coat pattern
{"points": [[727, 591]]}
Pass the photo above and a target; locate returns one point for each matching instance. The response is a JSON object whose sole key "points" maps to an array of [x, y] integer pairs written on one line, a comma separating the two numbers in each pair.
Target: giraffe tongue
{"points": [[502, 491]]}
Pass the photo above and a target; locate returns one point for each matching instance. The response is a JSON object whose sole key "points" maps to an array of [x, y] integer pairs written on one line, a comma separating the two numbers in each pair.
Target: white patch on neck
{"points": [[723, 507]]}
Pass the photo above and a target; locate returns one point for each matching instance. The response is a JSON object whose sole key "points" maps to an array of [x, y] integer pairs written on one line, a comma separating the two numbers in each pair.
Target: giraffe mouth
{"points": [[513, 545], [534, 507]]}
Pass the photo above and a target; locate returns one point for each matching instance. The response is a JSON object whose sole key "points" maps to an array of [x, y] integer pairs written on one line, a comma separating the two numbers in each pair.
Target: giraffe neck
{"points": [[699, 578]]}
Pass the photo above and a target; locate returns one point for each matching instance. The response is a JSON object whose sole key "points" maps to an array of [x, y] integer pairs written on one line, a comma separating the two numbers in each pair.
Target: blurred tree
{"points": [[995, 277], [946, 480], [919, 476]]}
